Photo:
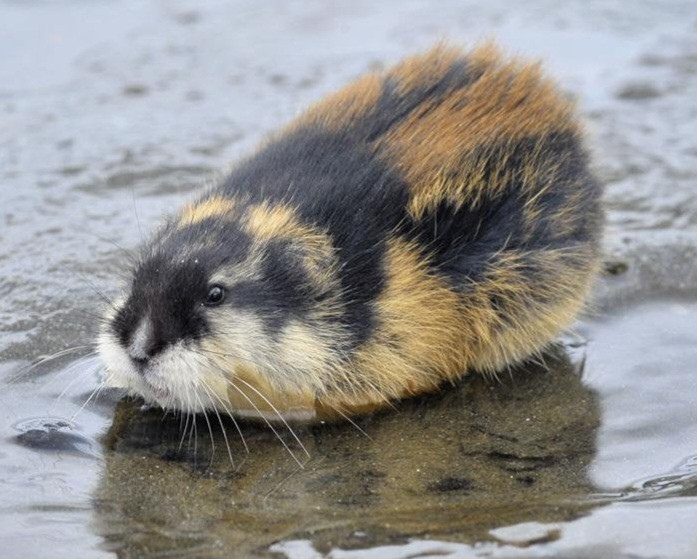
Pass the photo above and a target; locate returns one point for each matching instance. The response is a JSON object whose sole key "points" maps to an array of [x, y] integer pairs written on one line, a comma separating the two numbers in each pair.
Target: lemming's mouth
{"points": [[159, 392]]}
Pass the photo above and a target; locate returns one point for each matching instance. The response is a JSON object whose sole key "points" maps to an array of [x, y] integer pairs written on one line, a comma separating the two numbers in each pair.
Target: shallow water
{"points": [[104, 127]]}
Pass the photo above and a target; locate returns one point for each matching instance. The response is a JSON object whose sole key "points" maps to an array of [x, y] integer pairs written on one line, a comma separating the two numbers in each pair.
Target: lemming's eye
{"points": [[216, 294]]}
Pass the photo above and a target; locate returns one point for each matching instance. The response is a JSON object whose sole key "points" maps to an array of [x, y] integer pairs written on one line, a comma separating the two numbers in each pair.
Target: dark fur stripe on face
{"points": [[282, 292], [167, 295]]}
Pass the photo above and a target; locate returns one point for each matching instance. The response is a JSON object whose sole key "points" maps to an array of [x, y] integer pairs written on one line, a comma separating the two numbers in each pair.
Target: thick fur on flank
{"points": [[421, 223]]}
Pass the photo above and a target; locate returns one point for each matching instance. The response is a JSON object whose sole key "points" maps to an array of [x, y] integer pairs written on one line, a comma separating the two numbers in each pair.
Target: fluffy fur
{"points": [[421, 223]]}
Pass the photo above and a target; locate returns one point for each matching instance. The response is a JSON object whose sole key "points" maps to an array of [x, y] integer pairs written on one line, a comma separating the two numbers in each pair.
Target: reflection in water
{"points": [[453, 466]]}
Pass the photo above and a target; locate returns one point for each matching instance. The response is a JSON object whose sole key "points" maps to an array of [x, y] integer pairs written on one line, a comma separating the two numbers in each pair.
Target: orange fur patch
{"points": [[215, 206], [266, 222], [342, 108], [249, 390], [507, 102], [424, 70], [521, 316], [419, 339]]}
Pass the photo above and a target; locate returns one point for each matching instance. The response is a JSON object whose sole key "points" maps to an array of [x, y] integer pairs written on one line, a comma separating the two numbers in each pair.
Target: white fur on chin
{"points": [[172, 380]]}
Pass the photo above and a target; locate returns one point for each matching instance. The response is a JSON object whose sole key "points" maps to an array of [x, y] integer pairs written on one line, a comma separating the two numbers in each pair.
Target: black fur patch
{"points": [[464, 242], [284, 292], [170, 294], [393, 106], [338, 185]]}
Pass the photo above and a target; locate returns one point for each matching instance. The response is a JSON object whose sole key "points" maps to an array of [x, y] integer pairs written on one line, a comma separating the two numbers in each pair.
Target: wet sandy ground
{"points": [[112, 112]]}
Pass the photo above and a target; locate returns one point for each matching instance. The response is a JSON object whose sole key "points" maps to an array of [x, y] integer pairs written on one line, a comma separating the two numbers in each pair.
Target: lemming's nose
{"points": [[142, 344]]}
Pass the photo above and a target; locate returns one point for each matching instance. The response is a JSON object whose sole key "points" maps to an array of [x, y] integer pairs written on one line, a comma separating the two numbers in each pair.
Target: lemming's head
{"points": [[227, 307]]}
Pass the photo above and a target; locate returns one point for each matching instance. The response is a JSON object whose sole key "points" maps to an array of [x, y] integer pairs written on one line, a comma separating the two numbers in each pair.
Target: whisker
{"points": [[232, 417], [92, 395], [234, 355], [135, 210], [58, 375], [189, 417], [222, 427], [267, 422], [130, 254], [65, 390], [349, 380], [194, 432], [226, 407], [89, 314], [278, 485], [186, 426], [94, 288], [278, 414], [210, 429], [46, 359], [387, 401], [351, 421]]}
